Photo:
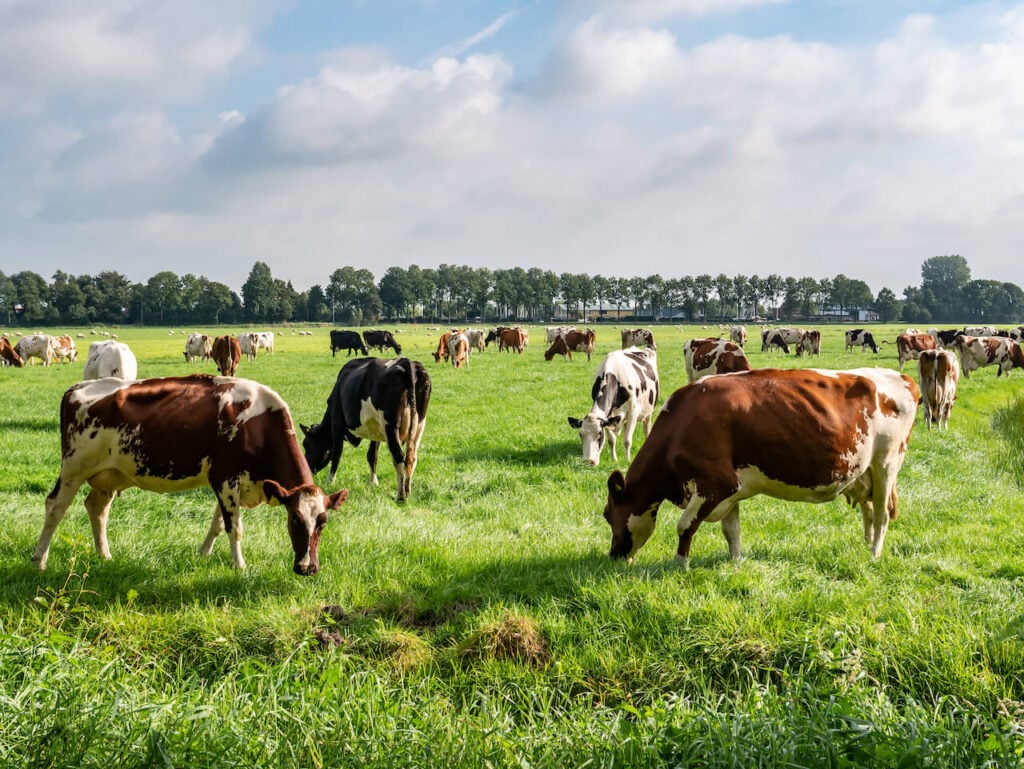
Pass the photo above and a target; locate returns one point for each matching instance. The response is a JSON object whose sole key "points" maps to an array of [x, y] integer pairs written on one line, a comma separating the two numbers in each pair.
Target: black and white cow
{"points": [[375, 399], [381, 339], [347, 340], [945, 337], [625, 392], [771, 338], [859, 336]]}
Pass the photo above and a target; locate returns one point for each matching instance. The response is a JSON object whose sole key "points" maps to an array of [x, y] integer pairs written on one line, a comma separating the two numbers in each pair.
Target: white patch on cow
{"points": [[642, 526], [372, 424], [258, 400]]}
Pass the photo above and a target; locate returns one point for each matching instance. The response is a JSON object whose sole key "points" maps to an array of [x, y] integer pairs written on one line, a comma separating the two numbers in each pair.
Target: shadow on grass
{"points": [[550, 454], [32, 425]]}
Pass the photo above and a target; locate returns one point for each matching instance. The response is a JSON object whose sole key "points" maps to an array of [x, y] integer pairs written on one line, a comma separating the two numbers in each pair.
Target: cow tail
{"points": [[414, 422]]}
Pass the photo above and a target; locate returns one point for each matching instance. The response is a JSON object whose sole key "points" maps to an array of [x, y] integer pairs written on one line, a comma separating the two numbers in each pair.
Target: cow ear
{"points": [[616, 484], [274, 492], [575, 423], [304, 428], [612, 421], [337, 499]]}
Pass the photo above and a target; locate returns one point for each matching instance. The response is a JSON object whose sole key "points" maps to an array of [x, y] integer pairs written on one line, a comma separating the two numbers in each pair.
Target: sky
{"points": [[612, 137]]}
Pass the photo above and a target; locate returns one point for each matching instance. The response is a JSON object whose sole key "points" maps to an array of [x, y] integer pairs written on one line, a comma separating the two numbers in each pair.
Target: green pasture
{"points": [[482, 624]]}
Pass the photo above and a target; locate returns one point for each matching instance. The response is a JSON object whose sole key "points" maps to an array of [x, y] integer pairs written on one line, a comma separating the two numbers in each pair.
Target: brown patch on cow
{"points": [[511, 638]]}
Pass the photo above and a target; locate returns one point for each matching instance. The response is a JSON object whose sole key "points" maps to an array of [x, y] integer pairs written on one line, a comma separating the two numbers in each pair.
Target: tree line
{"points": [[451, 292]]}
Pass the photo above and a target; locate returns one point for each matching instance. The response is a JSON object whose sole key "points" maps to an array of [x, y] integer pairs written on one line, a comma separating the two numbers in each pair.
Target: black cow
{"points": [[380, 400], [859, 336], [347, 340], [381, 339]]}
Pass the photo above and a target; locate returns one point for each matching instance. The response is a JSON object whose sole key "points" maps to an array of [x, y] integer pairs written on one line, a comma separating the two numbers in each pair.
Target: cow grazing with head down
{"points": [[704, 357], [638, 337], [40, 346], [979, 351], [772, 339], [828, 434], [227, 354], [110, 358], [580, 341], [347, 340], [8, 354], [64, 348], [738, 335], [938, 373], [553, 332], [442, 348], [458, 349], [197, 347], [625, 392], [180, 433], [511, 339], [910, 346], [859, 336], [379, 400], [378, 340]]}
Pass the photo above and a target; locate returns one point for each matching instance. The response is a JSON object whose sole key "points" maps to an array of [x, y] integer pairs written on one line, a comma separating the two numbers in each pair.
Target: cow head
{"points": [[591, 430], [316, 446], [307, 515], [631, 525]]}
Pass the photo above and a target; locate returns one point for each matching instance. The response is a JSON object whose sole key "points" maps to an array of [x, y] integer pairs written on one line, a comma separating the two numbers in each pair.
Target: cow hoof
{"points": [[683, 562]]}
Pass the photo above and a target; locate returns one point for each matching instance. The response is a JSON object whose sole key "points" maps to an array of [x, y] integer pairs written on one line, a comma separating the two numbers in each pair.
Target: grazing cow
{"points": [[638, 337], [492, 336], [980, 331], [810, 343], [458, 349], [197, 346], [792, 336], [580, 341], [738, 335], [859, 336], [625, 392], [380, 400], [827, 434], [1016, 334], [553, 332], [380, 339], [37, 346], [64, 348], [910, 346], [978, 351], [558, 347], [265, 341], [182, 433], [939, 373], [227, 354], [944, 337], [476, 337], [771, 340], [442, 348], [512, 339], [8, 354], [249, 344], [713, 356], [110, 358], [347, 340]]}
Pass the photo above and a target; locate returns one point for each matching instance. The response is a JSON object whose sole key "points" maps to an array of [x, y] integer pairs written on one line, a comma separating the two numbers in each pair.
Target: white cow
{"points": [[265, 341], [625, 392], [110, 358], [248, 342], [39, 346], [553, 332], [198, 346], [738, 335]]}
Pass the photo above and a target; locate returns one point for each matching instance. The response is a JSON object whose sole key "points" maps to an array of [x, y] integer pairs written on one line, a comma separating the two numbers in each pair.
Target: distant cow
{"points": [[378, 340], [347, 340], [859, 336], [39, 346], [978, 351], [938, 373], [580, 341], [809, 343], [827, 434], [980, 331], [8, 354], [713, 356], [792, 336], [227, 354], [249, 344], [639, 337], [197, 347], [475, 337], [553, 332], [110, 358], [510, 339], [442, 347], [738, 335], [458, 349], [625, 392], [910, 346], [379, 400], [772, 339], [265, 341], [944, 337], [64, 348], [180, 433]]}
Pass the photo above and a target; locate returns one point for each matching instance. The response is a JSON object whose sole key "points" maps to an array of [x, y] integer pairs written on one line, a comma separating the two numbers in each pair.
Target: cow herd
{"points": [[734, 432]]}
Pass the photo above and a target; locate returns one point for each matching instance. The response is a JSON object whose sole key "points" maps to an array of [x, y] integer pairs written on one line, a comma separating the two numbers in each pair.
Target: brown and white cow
{"points": [[179, 433], [8, 354], [827, 434], [227, 354], [809, 343], [553, 332], [511, 339], [442, 347], [64, 348], [625, 392], [978, 351], [704, 357], [198, 347], [580, 341], [110, 358], [938, 373], [458, 349], [638, 337], [910, 346], [738, 335]]}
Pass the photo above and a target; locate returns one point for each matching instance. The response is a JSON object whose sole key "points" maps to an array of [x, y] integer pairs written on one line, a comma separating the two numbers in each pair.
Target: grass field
{"points": [[482, 623]]}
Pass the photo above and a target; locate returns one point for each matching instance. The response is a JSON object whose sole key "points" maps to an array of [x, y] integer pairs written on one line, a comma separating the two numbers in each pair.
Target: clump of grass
{"points": [[1009, 423], [512, 637], [403, 650]]}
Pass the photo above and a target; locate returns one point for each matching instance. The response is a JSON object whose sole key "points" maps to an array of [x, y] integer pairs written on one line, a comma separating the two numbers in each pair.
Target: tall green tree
{"points": [[887, 305], [942, 281], [259, 293]]}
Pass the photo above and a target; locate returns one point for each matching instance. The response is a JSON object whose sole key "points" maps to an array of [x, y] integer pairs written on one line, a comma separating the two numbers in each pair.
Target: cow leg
{"points": [[371, 460], [57, 503], [399, 460], [696, 511], [412, 446], [216, 527], [627, 434], [98, 505], [731, 530], [609, 434]]}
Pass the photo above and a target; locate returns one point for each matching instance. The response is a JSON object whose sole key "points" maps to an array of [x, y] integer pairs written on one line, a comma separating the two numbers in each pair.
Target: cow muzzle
{"points": [[306, 569]]}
